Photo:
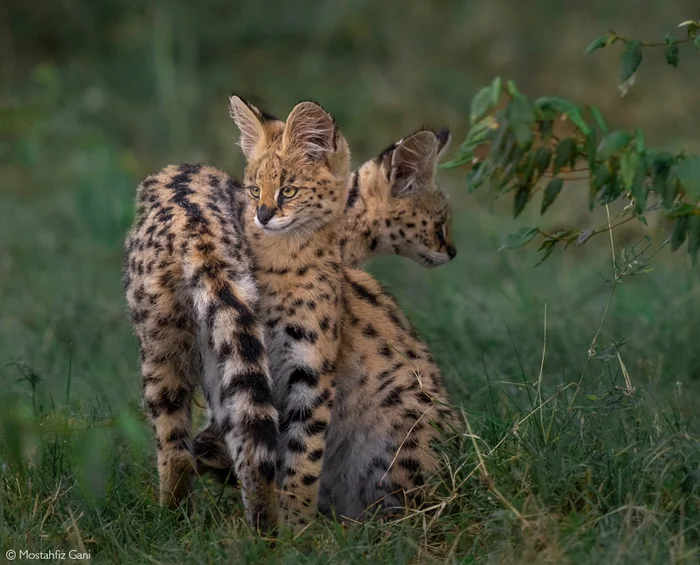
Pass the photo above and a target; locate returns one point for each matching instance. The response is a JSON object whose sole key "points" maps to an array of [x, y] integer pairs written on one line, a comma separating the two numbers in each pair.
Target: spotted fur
{"points": [[397, 206], [390, 404], [382, 216], [330, 328], [297, 175], [193, 298]]}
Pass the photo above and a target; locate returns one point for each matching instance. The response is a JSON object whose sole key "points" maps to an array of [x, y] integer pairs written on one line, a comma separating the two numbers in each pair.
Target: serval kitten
{"points": [[193, 302], [387, 216], [383, 214], [390, 404], [297, 175], [331, 328]]}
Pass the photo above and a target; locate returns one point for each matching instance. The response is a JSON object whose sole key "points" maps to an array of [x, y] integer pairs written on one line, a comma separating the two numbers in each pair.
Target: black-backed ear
{"points": [[444, 138], [312, 128], [250, 122], [413, 163]]}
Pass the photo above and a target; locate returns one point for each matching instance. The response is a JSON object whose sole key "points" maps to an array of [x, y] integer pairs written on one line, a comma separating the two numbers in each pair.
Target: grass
{"points": [[575, 454]]}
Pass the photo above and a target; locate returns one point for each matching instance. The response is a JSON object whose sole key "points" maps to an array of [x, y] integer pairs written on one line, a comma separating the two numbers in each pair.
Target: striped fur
{"points": [[192, 297]]}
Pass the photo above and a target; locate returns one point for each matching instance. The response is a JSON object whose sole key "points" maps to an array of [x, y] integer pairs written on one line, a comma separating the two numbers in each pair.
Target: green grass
{"points": [[565, 463]]}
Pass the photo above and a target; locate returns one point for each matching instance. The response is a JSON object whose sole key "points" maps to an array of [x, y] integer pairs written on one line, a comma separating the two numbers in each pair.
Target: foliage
{"points": [[523, 146], [581, 450], [632, 53]]}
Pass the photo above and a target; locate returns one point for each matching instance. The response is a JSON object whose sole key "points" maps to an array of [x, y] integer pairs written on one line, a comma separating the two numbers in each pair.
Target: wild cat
{"points": [[383, 215], [333, 329], [193, 301]]}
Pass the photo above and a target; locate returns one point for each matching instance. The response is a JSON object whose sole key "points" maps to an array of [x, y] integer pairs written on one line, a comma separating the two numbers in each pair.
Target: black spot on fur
{"points": [[303, 375], [410, 464], [267, 470], [261, 431], [354, 191], [316, 427], [250, 347], [299, 333], [316, 455], [369, 331], [254, 383], [296, 445], [363, 293], [393, 398], [179, 438]]}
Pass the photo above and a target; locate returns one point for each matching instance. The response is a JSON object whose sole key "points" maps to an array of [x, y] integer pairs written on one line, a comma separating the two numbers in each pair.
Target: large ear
{"points": [[312, 128], [250, 121], [413, 163]]}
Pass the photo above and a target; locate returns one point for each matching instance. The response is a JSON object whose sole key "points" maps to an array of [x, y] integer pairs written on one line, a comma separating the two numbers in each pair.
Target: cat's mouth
{"points": [[277, 228]]}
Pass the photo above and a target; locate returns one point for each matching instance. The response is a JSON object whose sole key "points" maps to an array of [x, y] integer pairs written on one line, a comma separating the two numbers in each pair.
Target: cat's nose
{"points": [[452, 251], [265, 213]]}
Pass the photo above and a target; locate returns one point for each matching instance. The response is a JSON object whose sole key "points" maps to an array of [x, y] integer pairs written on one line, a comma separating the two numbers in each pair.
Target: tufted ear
{"points": [[250, 122], [312, 128], [413, 163], [444, 138]]}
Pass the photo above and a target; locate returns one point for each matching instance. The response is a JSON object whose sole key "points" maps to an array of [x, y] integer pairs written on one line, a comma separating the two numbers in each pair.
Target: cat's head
{"points": [[297, 170], [405, 195]]}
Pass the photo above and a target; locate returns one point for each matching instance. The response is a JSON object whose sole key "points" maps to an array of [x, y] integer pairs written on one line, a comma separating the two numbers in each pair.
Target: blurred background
{"points": [[96, 95]]}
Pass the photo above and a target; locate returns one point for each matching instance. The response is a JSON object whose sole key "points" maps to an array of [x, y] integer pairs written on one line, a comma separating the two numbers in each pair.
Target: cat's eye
{"points": [[289, 191], [441, 231], [254, 191]]}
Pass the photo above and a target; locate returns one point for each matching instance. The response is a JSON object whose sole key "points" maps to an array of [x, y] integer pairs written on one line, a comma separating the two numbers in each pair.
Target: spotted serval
{"points": [[385, 215], [382, 216], [332, 328], [193, 302]]}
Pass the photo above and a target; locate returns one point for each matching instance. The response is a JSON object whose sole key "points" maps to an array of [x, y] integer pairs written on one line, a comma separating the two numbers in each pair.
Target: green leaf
{"points": [[697, 42], [521, 198], [610, 192], [565, 154], [477, 134], [542, 159], [496, 90], [562, 106], [693, 237], [475, 177], [688, 174], [630, 59], [628, 168], [671, 54], [660, 184], [613, 143], [481, 104], [547, 247], [597, 43], [550, 193], [598, 117], [640, 188], [458, 161], [512, 89], [521, 112], [522, 237], [639, 141], [523, 134], [679, 232]]}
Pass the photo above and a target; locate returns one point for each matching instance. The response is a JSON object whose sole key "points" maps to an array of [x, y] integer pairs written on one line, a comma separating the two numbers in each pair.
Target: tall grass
{"points": [[577, 381]]}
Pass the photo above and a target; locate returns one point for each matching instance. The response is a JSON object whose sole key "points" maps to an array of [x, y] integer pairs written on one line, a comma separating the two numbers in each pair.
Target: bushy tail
{"points": [[240, 394]]}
